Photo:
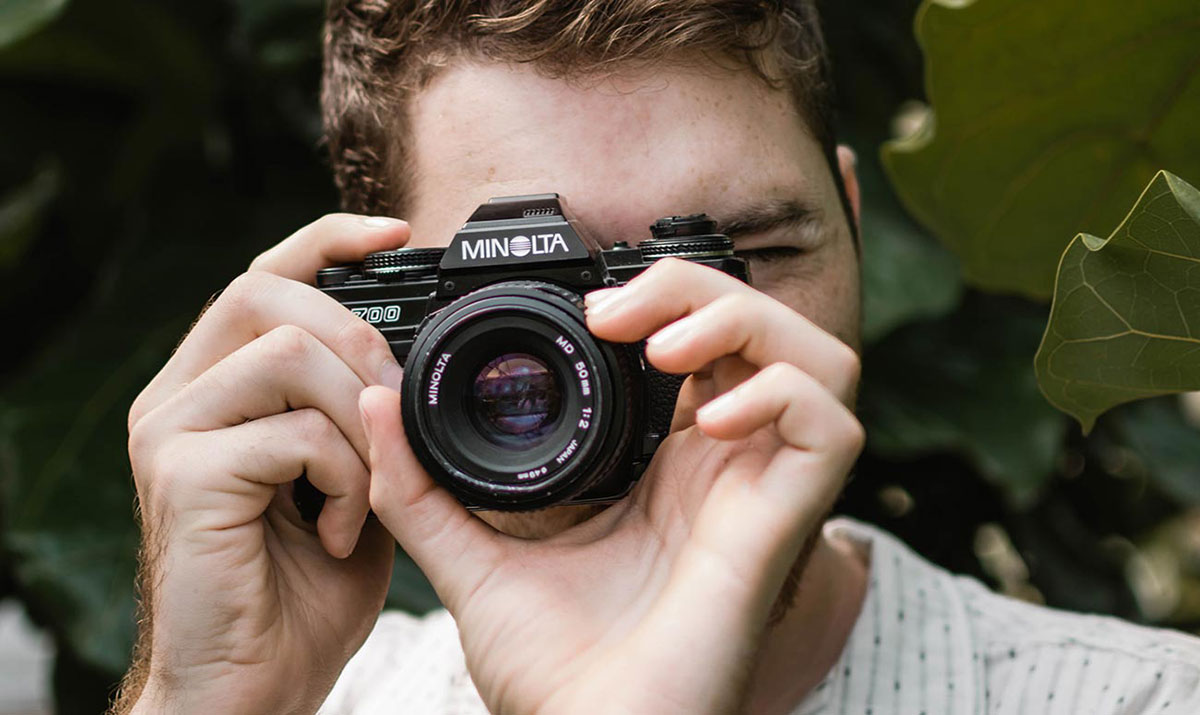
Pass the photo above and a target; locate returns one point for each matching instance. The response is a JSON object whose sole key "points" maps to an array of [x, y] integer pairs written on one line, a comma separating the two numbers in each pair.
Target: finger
{"points": [[283, 370], [666, 291], [705, 384], [696, 391], [784, 499], [738, 553], [743, 568], [329, 241], [760, 330], [237, 471], [455, 550], [707, 314], [253, 305], [804, 413]]}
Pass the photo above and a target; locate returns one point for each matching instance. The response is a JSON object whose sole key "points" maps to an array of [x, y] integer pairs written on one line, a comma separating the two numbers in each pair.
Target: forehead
{"points": [[623, 149]]}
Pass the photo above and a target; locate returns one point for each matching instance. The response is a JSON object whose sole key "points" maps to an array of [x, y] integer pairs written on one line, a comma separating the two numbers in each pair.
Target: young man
{"points": [[717, 585]]}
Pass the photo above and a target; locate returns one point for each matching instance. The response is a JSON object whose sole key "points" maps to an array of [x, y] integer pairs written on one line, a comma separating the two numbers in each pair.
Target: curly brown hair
{"points": [[380, 53]]}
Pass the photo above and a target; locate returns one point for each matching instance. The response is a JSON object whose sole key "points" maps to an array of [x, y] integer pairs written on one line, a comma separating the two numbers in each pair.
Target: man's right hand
{"points": [[250, 609]]}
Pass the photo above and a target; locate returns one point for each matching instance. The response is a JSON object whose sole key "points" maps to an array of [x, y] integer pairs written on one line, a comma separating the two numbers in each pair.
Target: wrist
{"points": [[156, 699], [187, 698]]}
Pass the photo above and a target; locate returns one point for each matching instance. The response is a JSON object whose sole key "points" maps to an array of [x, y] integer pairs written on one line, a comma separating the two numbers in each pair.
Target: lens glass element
{"points": [[516, 400]]}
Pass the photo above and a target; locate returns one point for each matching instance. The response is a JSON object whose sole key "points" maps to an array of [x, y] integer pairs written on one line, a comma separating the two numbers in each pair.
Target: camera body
{"points": [[508, 401]]}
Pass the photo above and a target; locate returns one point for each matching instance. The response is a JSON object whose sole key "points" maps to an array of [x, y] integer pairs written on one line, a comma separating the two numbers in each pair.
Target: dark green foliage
{"points": [[1051, 116], [148, 150]]}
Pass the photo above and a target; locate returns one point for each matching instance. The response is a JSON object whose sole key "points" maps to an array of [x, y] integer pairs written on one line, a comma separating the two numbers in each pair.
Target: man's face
{"points": [[626, 150]]}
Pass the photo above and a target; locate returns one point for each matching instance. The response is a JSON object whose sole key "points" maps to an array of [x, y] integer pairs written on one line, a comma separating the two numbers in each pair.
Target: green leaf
{"points": [[906, 275], [962, 384], [21, 18], [1125, 323], [1049, 118]]}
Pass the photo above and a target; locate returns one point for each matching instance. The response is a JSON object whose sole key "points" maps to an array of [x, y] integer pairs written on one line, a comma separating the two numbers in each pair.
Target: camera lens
{"points": [[510, 403], [516, 401]]}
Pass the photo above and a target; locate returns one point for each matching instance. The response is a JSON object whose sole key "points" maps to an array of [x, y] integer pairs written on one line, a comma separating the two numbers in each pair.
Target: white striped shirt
{"points": [[926, 643]]}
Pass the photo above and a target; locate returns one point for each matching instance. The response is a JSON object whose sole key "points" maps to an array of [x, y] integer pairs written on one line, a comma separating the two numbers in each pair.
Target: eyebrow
{"points": [[768, 216]]}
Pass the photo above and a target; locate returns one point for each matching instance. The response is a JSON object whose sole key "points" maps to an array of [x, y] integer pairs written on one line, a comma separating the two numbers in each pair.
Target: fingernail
{"points": [[601, 301], [382, 222], [720, 407], [671, 335], [391, 375]]}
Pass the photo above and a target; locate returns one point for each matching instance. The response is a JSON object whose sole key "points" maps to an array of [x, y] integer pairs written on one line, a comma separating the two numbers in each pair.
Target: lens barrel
{"points": [[510, 403]]}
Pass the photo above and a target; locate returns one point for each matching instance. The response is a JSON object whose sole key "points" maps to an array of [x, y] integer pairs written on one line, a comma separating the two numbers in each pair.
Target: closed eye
{"points": [[771, 254]]}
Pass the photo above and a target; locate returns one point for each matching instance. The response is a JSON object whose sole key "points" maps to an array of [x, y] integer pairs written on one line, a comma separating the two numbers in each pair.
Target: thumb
{"points": [[454, 549]]}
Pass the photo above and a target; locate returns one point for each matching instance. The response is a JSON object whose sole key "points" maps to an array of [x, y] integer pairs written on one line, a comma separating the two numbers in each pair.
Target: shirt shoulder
{"points": [[407, 664], [939, 643], [1099, 664]]}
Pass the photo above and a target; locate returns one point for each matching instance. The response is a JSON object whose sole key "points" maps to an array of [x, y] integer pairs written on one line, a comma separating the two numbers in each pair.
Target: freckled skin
{"points": [[625, 150]]}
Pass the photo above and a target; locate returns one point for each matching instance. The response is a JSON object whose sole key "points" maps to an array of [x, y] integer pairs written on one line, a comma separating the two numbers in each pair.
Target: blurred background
{"points": [[150, 149]]}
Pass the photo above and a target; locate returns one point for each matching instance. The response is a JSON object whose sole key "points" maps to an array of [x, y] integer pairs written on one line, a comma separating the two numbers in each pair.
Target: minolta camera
{"points": [[508, 401]]}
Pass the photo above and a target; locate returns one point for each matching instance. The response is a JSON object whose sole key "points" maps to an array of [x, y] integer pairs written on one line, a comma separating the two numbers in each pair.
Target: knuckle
{"points": [[379, 496], [142, 441], [735, 306], [780, 374], [287, 345], [667, 269], [678, 268], [848, 364], [331, 221], [313, 426], [262, 261], [139, 409], [245, 291], [358, 337], [161, 473], [853, 435], [329, 225]]}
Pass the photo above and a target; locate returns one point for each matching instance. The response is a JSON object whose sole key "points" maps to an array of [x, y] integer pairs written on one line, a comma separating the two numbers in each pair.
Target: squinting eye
{"points": [[771, 254]]}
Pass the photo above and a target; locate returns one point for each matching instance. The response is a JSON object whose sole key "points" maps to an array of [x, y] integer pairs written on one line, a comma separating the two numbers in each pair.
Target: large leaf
{"points": [[1125, 323], [906, 275], [21, 18], [1049, 118]]}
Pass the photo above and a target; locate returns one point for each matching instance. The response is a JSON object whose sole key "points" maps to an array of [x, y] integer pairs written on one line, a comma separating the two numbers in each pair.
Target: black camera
{"points": [[507, 399]]}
